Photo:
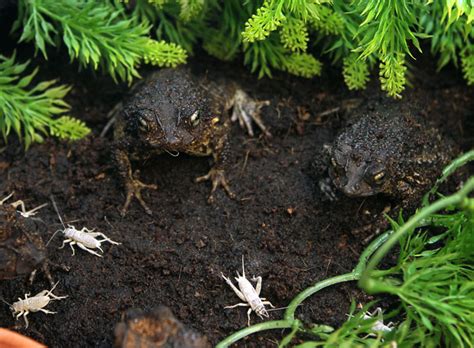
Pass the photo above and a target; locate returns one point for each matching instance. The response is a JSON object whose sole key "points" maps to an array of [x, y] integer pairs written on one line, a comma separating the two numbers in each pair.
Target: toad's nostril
{"points": [[172, 140], [351, 190]]}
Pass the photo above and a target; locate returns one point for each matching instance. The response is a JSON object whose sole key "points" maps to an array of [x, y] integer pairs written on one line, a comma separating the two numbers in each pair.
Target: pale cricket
{"points": [[23, 307], [249, 294], [85, 239]]}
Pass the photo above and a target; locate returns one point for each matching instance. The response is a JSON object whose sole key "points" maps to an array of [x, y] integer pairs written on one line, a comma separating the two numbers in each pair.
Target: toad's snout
{"points": [[351, 190], [357, 189], [172, 140]]}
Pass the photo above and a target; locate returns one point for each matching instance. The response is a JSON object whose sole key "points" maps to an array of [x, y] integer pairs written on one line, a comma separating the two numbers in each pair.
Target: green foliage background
{"points": [[116, 37]]}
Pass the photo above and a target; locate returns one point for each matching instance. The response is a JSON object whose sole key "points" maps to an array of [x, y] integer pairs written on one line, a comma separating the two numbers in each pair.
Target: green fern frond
{"points": [[328, 22], [343, 43], [454, 9], [267, 19], [262, 56], [218, 45], [29, 110], [157, 3], [190, 9], [387, 27], [294, 35], [302, 64], [224, 40], [273, 13], [392, 74], [302, 9], [272, 34], [355, 71], [96, 34], [467, 62], [447, 41], [164, 54], [168, 24], [67, 127]]}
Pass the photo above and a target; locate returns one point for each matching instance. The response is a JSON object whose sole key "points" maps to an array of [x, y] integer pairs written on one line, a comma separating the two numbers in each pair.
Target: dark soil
{"points": [[289, 234]]}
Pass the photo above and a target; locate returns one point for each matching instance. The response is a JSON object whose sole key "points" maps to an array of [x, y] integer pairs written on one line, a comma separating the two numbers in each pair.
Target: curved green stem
{"points": [[450, 169], [370, 250], [460, 198], [268, 325], [354, 275], [290, 312]]}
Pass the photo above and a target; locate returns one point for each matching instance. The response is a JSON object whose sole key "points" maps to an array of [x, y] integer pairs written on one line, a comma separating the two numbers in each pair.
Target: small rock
{"points": [[200, 244], [157, 328]]}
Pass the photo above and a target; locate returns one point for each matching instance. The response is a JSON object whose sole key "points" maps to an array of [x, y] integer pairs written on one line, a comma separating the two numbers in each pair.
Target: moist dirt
{"points": [[288, 231]]}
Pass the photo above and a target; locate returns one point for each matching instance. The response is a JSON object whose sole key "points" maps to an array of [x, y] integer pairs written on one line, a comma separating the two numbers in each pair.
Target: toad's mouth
{"points": [[353, 187], [358, 189]]}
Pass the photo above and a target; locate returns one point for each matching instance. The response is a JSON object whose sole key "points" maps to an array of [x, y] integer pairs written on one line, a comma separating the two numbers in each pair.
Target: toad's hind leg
{"points": [[217, 173], [133, 186]]}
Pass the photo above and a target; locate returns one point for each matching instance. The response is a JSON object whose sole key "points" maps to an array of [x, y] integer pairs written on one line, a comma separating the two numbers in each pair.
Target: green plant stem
{"points": [[268, 325], [370, 250], [354, 275], [458, 199], [450, 169], [290, 312]]}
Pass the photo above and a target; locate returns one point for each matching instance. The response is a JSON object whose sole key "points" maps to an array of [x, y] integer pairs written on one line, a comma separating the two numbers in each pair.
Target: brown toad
{"points": [[389, 149], [173, 112]]}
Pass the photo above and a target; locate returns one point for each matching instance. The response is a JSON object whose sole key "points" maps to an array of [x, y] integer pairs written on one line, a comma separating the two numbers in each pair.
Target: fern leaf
{"points": [[29, 110], [392, 74]]}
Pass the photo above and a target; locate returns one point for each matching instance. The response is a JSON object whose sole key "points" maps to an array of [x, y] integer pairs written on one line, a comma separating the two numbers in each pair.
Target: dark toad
{"points": [[175, 113], [389, 149]]}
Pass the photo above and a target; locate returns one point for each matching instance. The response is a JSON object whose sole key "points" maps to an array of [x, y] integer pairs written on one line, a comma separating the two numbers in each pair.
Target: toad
{"points": [[389, 149], [173, 112]]}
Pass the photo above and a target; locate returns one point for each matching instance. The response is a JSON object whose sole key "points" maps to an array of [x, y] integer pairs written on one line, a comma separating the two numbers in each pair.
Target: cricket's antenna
{"points": [[6, 198], [57, 210], [50, 239], [280, 308], [54, 287], [243, 267], [32, 211], [9, 305]]}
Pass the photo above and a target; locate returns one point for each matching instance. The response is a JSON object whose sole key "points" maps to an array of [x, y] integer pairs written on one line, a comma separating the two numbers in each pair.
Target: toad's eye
{"points": [[143, 124], [336, 169], [195, 118], [379, 176]]}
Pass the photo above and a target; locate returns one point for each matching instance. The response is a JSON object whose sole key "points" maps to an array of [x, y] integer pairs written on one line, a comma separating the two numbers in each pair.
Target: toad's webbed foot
{"points": [[217, 177], [134, 187], [245, 109]]}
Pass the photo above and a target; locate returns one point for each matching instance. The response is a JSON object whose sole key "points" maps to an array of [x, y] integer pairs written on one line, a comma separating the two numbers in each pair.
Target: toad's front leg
{"points": [[244, 108], [217, 173], [133, 186], [247, 110]]}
